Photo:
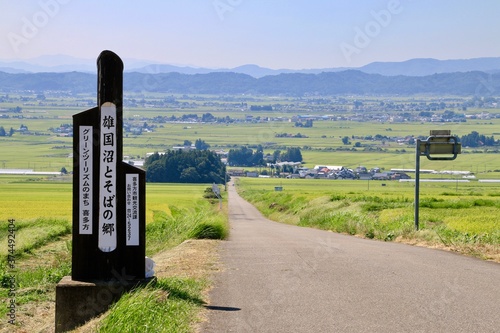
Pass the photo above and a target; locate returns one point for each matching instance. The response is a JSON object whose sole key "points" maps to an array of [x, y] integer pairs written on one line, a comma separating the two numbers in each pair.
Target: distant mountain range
{"points": [[291, 84], [413, 67], [422, 67]]}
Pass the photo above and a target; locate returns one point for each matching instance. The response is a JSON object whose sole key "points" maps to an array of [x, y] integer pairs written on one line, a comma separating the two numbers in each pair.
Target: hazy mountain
{"points": [[12, 70], [49, 63], [293, 84], [421, 67], [413, 67], [258, 72], [252, 70], [158, 68]]}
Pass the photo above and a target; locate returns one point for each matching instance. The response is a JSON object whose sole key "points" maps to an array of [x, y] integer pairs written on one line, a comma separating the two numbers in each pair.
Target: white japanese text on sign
{"points": [[132, 211], [108, 179], [86, 172]]}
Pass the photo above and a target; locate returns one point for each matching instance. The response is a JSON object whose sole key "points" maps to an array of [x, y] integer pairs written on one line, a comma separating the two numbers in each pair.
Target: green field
{"points": [[27, 198], [43, 150], [456, 216], [41, 212], [459, 216]]}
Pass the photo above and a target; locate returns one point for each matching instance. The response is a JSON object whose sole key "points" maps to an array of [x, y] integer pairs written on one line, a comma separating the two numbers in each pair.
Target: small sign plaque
{"points": [[132, 204], [216, 189]]}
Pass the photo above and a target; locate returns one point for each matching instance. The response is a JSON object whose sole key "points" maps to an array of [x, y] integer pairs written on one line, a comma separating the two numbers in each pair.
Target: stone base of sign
{"points": [[77, 301]]}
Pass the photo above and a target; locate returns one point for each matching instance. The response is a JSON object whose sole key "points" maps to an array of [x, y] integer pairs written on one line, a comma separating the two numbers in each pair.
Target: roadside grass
{"points": [[169, 305], [42, 258], [175, 213], [31, 234], [201, 222], [462, 219]]}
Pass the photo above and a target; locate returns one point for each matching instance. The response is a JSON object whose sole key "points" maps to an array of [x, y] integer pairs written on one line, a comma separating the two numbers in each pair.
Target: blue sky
{"points": [[292, 34]]}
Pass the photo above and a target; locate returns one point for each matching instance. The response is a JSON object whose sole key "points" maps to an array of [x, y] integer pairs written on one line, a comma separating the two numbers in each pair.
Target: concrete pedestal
{"points": [[78, 301]]}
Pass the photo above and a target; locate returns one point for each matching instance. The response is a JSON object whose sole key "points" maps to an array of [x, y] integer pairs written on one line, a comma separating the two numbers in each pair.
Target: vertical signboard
{"points": [[109, 220]]}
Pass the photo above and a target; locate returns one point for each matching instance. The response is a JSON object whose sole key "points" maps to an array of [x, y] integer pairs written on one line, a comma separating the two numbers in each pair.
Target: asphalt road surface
{"points": [[282, 278]]}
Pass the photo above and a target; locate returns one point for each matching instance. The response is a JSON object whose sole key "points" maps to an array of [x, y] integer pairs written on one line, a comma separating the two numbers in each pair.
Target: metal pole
{"points": [[417, 181]]}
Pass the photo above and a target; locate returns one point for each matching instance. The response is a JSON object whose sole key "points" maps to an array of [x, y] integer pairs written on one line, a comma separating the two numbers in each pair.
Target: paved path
{"points": [[282, 278]]}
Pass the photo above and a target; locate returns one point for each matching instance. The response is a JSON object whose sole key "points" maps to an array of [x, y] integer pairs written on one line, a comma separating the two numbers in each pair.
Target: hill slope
{"points": [[295, 84]]}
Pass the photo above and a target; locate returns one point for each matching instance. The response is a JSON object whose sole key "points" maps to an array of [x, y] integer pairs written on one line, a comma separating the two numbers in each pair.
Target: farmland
{"points": [[40, 210], [43, 149], [41, 141], [456, 216]]}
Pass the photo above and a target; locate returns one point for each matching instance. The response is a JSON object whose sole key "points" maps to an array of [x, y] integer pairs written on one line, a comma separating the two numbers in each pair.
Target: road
{"points": [[282, 278]]}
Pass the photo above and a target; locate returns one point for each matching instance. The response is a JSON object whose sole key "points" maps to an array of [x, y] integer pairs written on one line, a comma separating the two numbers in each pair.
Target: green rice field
{"points": [[459, 216], [43, 150], [41, 210]]}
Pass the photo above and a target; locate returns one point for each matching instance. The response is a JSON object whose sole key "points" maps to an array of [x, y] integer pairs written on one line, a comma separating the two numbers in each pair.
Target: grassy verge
{"points": [[172, 304], [463, 220], [203, 221], [175, 213], [38, 266]]}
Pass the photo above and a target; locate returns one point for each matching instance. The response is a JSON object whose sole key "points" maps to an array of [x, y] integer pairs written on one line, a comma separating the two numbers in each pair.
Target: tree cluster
{"points": [[261, 108], [291, 154], [289, 135], [308, 123], [205, 118], [198, 144], [192, 166], [245, 156], [3, 132], [201, 145], [474, 139]]}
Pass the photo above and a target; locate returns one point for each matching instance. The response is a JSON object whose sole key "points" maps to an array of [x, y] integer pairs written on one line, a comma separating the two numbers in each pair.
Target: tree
{"points": [[2, 131], [345, 140], [358, 104], [192, 166], [201, 144], [187, 143], [474, 139], [276, 156], [292, 154], [156, 172], [207, 117], [245, 157], [189, 175]]}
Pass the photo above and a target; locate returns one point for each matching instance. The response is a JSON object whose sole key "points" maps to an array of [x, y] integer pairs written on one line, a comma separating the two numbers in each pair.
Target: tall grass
{"points": [[203, 221], [36, 273], [168, 306], [31, 235]]}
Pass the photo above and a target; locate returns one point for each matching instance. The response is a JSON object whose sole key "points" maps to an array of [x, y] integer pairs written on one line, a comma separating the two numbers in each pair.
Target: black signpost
{"points": [[439, 146], [109, 199]]}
